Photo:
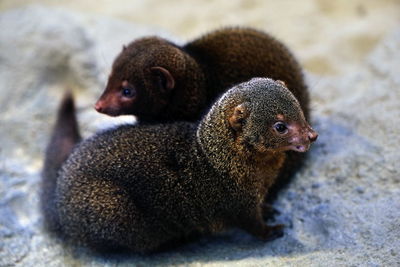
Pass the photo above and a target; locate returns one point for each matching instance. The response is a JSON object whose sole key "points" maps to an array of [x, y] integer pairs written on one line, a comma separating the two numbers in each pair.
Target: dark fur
{"points": [[142, 187], [202, 69], [234, 55], [65, 136]]}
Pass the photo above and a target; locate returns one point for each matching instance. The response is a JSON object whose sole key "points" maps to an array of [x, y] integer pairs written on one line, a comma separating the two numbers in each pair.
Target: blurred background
{"points": [[329, 37]]}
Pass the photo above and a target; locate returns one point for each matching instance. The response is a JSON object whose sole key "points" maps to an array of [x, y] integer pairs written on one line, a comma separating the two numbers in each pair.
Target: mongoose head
{"points": [[270, 119], [142, 79], [260, 116]]}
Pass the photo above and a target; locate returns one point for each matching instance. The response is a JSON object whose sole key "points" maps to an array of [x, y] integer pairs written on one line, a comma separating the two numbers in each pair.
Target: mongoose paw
{"points": [[273, 232], [268, 211]]}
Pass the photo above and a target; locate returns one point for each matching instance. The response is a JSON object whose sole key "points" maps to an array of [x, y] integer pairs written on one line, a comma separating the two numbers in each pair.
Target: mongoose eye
{"points": [[128, 92], [281, 127]]}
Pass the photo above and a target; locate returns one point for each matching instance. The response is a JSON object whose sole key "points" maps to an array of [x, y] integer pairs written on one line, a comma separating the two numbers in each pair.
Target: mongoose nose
{"points": [[98, 107], [312, 136]]}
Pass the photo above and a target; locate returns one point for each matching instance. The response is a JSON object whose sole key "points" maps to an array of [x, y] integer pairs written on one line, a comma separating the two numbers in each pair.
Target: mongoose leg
{"points": [[273, 232], [255, 226]]}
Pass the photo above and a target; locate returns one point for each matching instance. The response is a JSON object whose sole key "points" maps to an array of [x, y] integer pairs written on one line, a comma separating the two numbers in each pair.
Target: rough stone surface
{"points": [[343, 208]]}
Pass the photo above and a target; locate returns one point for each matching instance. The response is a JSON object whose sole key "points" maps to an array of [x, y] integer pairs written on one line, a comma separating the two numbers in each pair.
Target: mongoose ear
{"points": [[123, 47], [165, 77], [240, 113], [281, 83]]}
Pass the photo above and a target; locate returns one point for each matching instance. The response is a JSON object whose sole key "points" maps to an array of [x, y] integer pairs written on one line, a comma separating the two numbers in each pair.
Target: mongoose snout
{"points": [[301, 137]]}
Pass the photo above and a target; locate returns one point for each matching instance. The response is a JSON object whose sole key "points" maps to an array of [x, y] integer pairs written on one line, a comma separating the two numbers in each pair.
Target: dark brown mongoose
{"points": [[157, 80], [144, 186]]}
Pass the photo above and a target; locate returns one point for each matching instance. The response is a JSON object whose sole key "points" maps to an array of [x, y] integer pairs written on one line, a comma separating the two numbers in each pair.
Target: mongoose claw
{"points": [[273, 232], [269, 212]]}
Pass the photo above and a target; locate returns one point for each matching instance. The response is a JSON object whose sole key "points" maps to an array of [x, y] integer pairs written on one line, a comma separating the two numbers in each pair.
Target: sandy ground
{"points": [[329, 37], [342, 209]]}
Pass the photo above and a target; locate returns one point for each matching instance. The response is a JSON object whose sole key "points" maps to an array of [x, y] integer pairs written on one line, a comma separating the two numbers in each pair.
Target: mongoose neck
{"points": [[188, 100], [217, 140]]}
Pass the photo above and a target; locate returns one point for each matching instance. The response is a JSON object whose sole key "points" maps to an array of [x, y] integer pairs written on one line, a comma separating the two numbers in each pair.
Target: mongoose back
{"points": [[142, 187]]}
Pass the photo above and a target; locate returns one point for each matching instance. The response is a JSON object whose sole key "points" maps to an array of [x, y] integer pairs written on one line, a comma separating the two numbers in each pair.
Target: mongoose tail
{"points": [[64, 137]]}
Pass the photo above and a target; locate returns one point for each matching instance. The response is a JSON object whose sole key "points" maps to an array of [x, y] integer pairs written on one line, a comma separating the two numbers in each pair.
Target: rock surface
{"points": [[343, 208]]}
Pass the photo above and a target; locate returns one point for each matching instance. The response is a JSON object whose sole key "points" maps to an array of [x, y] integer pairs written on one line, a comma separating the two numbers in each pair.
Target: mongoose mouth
{"points": [[301, 138], [113, 112], [295, 147], [299, 148]]}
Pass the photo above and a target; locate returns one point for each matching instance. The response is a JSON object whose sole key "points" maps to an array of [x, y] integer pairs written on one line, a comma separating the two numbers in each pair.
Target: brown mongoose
{"points": [[144, 186], [157, 80]]}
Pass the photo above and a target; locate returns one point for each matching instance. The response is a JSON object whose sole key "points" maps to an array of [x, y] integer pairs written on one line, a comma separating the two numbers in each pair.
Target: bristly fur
{"points": [[149, 186], [203, 69]]}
